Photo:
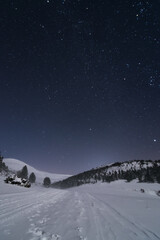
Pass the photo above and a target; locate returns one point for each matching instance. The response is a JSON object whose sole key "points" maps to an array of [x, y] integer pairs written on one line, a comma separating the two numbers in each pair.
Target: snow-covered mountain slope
{"points": [[131, 165], [99, 211], [143, 170], [16, 165]]}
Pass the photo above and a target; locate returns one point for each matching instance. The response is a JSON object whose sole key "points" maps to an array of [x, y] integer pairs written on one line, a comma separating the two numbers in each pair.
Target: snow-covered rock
{"points": [[18, 181]]}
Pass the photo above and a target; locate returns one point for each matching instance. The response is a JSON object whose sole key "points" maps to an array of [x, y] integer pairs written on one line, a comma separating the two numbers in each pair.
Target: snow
{"points": [[17, 179], [16, 165], [132, 165], [102, 211]]}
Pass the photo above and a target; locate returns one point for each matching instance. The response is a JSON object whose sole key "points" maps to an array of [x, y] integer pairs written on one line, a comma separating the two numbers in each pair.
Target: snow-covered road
{"points": [[97, 212]]}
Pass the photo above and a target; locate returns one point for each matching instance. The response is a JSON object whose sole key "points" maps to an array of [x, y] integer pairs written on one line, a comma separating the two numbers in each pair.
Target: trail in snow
{"points": [[84, 213], [117, 223]]}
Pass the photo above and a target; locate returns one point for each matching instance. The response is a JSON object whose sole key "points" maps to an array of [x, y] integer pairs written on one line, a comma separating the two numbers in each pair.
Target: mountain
{"points": [[143, 170], [15, 165]]}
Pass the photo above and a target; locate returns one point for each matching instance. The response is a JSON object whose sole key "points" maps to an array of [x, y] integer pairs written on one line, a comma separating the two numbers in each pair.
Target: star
{"points": [[80, 64]]}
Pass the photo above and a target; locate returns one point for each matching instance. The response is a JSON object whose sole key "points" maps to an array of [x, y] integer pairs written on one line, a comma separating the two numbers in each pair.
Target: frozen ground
{"points": [[115, 211]]}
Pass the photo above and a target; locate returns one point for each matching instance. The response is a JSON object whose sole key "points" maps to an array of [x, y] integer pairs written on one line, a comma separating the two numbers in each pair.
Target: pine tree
{"points": [[23, 173], [1, 163], [158, 174], [148, 177], [46, 182], [32, 177]]}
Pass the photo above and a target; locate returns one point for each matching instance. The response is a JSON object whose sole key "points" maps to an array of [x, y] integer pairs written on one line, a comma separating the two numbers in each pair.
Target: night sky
{"points": [[79, 82]]}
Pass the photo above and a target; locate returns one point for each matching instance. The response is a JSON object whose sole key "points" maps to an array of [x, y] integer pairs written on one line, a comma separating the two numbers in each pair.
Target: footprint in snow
{"points": [[56, 237], [39, 234], [44, 220], [80, 229], [7, 231], [35, 215]]}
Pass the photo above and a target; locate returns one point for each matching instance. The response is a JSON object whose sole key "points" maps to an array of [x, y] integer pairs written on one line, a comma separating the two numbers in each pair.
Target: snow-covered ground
{"points": [[17, 165], [102, 211]]}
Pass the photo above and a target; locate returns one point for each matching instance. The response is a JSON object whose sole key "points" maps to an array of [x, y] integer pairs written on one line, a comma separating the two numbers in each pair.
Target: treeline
{"points": [[3, 167], [144, 171]]}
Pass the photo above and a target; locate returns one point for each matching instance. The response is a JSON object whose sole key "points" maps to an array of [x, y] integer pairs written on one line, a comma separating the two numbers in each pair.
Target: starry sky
{"points": [[79, 82]]}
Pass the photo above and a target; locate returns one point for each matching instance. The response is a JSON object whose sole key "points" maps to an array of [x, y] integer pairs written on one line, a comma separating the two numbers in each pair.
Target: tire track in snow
{"points": [[62, 219], [97, 226], [40, 221], [24, 205], [16, 201], [13, 214], [81, 216], [137, 231]]}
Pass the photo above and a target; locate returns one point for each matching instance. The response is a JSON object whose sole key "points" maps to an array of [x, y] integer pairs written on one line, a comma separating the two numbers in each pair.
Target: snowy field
{"points": [[115, 211]]}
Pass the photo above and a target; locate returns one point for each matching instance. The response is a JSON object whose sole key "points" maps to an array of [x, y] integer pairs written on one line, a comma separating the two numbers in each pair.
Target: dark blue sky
{"points": [[79, 82]]}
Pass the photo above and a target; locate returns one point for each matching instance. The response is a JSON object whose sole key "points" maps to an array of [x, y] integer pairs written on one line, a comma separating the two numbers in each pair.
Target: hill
{"points": [[143, 170], [16, 165]]}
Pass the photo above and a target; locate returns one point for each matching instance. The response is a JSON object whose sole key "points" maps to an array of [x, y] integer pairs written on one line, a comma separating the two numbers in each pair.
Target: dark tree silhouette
{"points": [[23, 173], [46, 182], [32, 177], [1, 159], [3, 166]]}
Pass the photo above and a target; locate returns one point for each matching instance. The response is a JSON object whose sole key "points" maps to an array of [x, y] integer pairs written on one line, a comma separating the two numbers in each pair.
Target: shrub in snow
{"points": [[46, 182]]}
